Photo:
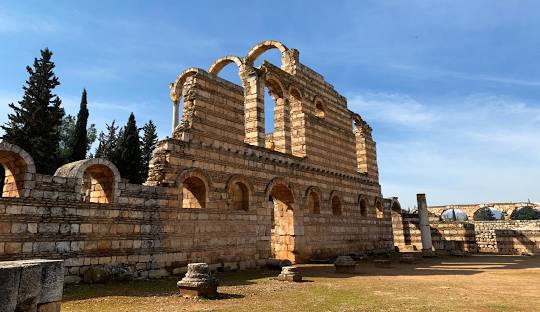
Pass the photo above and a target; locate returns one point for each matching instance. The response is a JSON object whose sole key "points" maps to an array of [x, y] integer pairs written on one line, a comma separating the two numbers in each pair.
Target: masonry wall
{"points": [[503, 237], [216, 192]]}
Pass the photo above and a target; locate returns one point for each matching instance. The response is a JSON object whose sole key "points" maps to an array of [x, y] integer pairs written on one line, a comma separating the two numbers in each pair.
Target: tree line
{"points": [[39, 125]]}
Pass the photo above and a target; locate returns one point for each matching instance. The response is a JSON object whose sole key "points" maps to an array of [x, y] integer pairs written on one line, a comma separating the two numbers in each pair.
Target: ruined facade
{"points": [[221, 190]]}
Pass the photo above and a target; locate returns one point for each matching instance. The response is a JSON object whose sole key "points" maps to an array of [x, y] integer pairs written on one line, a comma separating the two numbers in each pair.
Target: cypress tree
{"points": [[148, 143], [35, 122], [128, 157], [80, 141]]}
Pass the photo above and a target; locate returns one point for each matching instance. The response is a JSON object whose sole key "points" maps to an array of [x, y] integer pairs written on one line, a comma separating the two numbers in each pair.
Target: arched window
{"points": [[379, 211], [319, 109], [363, 207], [193, 193], [314, 203], [239, 196], [336, 206]]}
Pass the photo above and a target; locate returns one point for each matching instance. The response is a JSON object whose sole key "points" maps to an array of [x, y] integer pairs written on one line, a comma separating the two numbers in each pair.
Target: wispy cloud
{"points": [[426, 72]]}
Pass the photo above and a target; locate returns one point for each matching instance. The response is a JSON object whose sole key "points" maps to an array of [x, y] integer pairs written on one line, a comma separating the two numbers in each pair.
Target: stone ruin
{"points": [[31, 285], [221, 189], [198, 282]]}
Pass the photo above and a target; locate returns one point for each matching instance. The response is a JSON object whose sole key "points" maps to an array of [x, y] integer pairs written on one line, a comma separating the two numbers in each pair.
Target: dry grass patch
{"points": [[477, 283]]}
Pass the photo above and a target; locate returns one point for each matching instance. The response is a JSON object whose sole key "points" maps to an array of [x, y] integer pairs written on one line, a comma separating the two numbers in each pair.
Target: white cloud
{"points": [[457, 150], [392, 108]]}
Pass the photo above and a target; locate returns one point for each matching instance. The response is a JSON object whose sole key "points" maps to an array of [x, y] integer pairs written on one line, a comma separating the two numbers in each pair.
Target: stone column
{"points": [[175, 114], [425, 230]]}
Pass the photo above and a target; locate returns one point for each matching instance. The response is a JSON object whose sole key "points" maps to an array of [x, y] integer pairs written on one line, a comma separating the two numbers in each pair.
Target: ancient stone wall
{"points": [[504, 237], [221, 190], [508, 237]]}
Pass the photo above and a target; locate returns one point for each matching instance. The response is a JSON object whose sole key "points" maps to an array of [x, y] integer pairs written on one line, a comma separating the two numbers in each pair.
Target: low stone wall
{"points": [[508, 237], [150, 241], [504, 237], [31, 285]]}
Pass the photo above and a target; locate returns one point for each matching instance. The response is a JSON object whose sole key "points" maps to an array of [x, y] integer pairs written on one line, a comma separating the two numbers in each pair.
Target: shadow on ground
{"points": [[468, 265]]}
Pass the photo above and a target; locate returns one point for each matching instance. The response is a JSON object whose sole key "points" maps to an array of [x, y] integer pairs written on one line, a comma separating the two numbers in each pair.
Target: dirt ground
{"points": [[473, 283]]}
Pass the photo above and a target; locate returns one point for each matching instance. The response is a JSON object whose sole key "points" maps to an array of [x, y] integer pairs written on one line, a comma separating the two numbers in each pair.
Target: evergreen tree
{"points": [[35, 122], [148, 143], [108, 142], [128, 157], [80, 140], [526, 213], [67, 138], [67, 133], [484, 214]]}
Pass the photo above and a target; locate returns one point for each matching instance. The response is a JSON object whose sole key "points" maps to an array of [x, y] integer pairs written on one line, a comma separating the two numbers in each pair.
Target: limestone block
{"points": [[290, 274]]}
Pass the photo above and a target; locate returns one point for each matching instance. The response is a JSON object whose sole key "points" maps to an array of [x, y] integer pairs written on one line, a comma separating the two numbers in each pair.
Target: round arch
{"points": [[264, 46], [363, 204], [239, 192], [194, 187], [319, 107], [220, 63], [379, 208], [336, 203], [313, 200], [19, 167], [178, 85], [97, 179]]}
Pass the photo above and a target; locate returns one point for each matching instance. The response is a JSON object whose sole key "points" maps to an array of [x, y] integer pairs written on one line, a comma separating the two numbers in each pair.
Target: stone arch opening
{"points": [[320, 110], [488, 214], [180, 102], [238, 196], [264, 46], [223, 63], [16, 165], [452, 214], [337, 209], [98, 184], [97, 179], [379, 209], [193, 193], [298, 145], [278, 124], [363, 206], [282, 230], [313, 202]]}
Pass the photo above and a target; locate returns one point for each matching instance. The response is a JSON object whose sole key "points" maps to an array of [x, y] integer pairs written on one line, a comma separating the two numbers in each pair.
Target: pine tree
{"points": [[128, 157], [108, 142], [35, 122], [80, 140], [148, 143]]}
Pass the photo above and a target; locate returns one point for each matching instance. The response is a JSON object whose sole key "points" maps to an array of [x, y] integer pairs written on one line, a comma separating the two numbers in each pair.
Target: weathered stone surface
{"points": [[198, 282], [383, 263], [345, 264], [290, 274], [27, 285], [10, 275]]}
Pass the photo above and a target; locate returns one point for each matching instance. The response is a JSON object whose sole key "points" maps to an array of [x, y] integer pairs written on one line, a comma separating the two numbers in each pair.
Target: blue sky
{"points": [[451, 88]]}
